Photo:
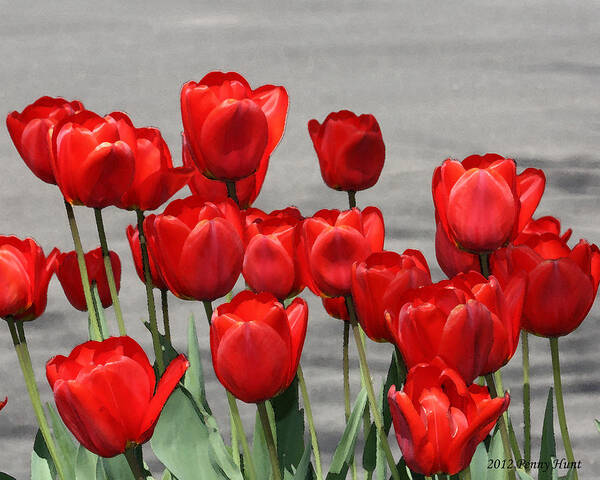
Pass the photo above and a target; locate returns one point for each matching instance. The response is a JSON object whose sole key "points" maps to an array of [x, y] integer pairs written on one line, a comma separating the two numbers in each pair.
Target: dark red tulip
{"points": [[482, 203], [336, 308], [24, 276], [350, 149], [439, 421], [197, 247], [105, 393], [333, 241], [471, 323], [155, 179], [562, 282], [379, 281], [230, 128], [70, 278], [94, 158], [31, 132], [255, 333], [136, 252], [271, 260]]}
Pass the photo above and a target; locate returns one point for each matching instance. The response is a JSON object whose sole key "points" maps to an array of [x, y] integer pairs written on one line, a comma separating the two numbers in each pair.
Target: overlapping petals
{"points": [[133, 237]]}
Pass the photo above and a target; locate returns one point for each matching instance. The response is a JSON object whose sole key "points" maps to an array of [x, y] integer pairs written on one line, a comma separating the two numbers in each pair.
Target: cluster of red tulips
{"points": [[508, 275]]}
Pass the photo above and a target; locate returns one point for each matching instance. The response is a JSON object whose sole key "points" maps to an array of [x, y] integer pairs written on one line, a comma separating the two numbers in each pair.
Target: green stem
{"points": [[85, 282], [352, 199], [366, 412], [366, 375], [502, 425], [165, 313], [112, 286], [158, 353], [526, 400], [484, 264], [311, 423], [24, 358], [134, 464], [232, 193], [264, 419], [208, 310], [560, 403], [465, 474], [346, 374], [235, 415], [514, 444]]}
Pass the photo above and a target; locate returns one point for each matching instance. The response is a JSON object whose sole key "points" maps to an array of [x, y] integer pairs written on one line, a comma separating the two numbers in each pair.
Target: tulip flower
{"points": [[336, 308], [133, 237], [439, 421], [25, 273], [31, 132], [94, 158], [3, 403], [255, 333], [470, 322], [333, 241], [230, 128], [107, 424], [482, 203], [197, 247], [350, 150], [155, 179], [562, 282], [451, 259], [379, 281], [271, 261], [70, 278], [252, 215]]}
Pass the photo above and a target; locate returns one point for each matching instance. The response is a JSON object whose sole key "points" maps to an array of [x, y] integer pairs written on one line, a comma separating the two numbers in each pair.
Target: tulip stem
{"points": [[560, 404], [165, 313], [208, 310], [484, 264], [85, 282], [232, 193], [465, 474], [511, 431], [114, 295], [311, 423], [235, 414], [489, 378], [366, 375], [352, 199], [264, 419], [158, 353], [526, 400], [134, 464], [20, 344], [346, 373]]}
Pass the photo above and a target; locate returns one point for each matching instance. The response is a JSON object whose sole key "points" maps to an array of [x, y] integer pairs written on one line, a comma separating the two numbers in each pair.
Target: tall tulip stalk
{"points": [[507, 277]]}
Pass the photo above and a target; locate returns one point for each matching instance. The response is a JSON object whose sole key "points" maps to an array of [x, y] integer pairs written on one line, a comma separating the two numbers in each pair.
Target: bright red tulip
{"points": [[197, 247], [24, 276], [133, 237], [541, 226], [439, 421], [94, 158], [252, 215], [471, 323], [451, 259], [350, 149], [70, 278], [105, 393], [482, 203], [379, 281], [31, 132], [333, 241], [231, 129], [155, 179], [255, 333], [336, 308]]}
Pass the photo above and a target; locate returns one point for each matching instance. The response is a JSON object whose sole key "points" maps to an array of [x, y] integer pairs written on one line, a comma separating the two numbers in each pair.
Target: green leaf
{"points": [[167, 475], [289, 427], [597, 422], [548, 447], [369, 459], [569, 476], [194, 376], [479, 463], [98, 302], [117, 467], [6, 476], [522, 475], [343, 453], [304, 471], [42, 466], [85, 464], [496, 453], [169, 353], [260, 451], [67, 449]]}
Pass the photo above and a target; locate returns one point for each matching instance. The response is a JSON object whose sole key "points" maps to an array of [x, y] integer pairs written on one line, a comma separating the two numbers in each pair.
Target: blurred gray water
{"points": [[443, 79]]}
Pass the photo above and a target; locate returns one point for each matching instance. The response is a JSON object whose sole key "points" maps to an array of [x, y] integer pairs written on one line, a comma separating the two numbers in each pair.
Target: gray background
{"points": [[443, 79]]}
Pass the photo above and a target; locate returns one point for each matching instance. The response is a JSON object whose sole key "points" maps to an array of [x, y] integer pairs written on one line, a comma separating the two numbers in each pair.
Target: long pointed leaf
{"points": [[194, 376], [548, 447]]}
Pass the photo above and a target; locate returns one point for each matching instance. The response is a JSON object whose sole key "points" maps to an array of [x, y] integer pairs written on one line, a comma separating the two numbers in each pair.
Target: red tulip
{"points": [[336, 308], [94, 158], [255, 333], [471, 323], [562, 282], [70, 278], [197, 247], [31, 132], [350, 150], [379, 281], [24, 276], [482, 203], [105, 394], [333, 241], [451, 259], [155, 179], [271, 261], [439, 421], [136, 252], [231, 129], [3, 403], [541, 226], [251, 215]]}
